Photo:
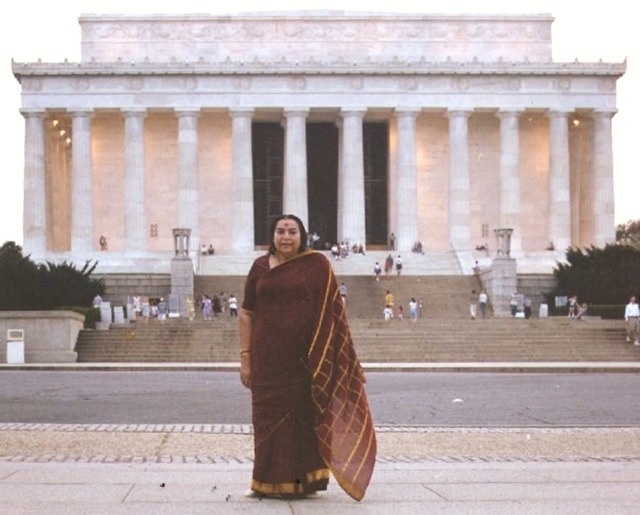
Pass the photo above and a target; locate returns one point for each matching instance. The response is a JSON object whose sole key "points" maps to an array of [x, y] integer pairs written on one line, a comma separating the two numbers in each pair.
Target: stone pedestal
{"points": [[106, 316], [181, 270], [181, 282], [500, 281], [503, 238]]}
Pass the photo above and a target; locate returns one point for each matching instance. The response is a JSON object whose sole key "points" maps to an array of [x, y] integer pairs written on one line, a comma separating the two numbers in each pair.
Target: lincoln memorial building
{"points": [[439, 129]]}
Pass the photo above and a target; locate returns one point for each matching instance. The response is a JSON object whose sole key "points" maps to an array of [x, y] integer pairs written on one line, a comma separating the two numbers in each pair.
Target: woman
{"points": [[310, 412], [413, 310]]}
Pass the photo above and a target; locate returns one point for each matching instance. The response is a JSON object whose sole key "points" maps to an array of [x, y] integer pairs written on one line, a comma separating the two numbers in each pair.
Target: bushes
{"points": [[30, 287], [604, 278]]}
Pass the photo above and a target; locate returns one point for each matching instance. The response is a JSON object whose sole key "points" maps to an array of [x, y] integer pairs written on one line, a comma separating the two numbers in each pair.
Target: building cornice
{"points": [[283, 67]]}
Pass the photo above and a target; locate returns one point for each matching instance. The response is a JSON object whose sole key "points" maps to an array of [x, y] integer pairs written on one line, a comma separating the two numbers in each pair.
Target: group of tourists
{"points": [[215, 306], [389, 263], [415, 309]]}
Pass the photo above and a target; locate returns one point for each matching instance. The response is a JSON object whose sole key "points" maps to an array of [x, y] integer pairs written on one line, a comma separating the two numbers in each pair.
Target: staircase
{"points": [[431, 262], [443, 296], [428, 340], [445, 333]]}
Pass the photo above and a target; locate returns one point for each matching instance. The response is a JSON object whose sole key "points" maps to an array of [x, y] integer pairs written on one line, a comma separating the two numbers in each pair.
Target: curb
{"points": [[493, 367]]}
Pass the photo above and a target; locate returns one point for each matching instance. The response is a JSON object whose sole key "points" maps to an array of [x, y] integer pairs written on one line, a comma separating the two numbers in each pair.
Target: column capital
{"points": [[597, 113], [187, 112], [406, 111], [241, 112], [82, 113], [353, 111], [508, 113], [295, 111], [33, 113], [558, 113], [135, 112], [458, 113]]}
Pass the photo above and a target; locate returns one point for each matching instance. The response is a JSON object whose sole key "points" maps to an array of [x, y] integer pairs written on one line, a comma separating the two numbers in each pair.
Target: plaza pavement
{"points": [[154, 469]]}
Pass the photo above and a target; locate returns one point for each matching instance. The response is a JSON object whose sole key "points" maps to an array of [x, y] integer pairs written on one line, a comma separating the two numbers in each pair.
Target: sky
{"points": [[587, 31]]}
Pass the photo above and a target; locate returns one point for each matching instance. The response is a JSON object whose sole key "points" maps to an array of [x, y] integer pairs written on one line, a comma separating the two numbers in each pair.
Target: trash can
{"points": [[543, 312], [15, 346]]}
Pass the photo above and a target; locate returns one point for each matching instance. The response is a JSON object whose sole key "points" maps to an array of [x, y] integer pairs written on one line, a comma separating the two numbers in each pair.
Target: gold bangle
{"points": [[244, 352]]}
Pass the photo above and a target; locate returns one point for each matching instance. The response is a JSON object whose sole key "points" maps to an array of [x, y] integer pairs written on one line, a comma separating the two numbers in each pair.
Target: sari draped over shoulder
{"points": [[310, 410]]}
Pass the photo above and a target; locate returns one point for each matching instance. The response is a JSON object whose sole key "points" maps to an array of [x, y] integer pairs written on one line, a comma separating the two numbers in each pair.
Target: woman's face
{"points": [[286, 238]]}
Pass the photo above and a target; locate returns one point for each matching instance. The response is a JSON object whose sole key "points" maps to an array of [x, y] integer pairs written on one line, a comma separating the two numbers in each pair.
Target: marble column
{"points": [[82, 236], [135, 196], [351, 201], [242, 223], [604, 230], [294, 189], [188, 196], [407, 181], [459, 181], [34, 212], [510, 216], [559, 181]]}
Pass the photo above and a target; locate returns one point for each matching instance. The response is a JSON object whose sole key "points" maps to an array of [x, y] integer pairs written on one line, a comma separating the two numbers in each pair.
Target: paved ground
{"points": [[188, 468], [205, 469]]}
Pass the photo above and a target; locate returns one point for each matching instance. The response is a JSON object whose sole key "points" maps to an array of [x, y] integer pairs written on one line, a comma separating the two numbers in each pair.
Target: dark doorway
{"points": [[376, 164], [322, 166], [268, 165], [322, 177]]}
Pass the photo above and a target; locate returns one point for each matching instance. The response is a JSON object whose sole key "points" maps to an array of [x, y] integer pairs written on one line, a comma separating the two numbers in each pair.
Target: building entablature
{"points": [[312, 67], [122, 91]]}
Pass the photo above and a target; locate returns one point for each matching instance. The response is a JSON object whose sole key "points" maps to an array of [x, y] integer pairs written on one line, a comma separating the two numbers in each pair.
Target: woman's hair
{"points": [[303, 232]]}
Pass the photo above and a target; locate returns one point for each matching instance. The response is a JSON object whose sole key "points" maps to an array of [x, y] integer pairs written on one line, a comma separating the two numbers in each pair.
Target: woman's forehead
{"points": [[286, 224]]}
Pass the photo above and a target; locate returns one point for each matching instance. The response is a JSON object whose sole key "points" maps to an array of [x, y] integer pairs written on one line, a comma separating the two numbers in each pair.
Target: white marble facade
{"points": [[485, 131]]}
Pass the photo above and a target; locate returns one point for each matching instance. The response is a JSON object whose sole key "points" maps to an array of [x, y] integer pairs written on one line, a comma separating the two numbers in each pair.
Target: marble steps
{"points": [[430, 263], [497, 340], [443, 296]]}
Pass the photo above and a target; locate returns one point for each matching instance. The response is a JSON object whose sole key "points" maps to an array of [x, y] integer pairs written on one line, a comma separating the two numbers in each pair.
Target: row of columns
{"points": [[351, 194]]}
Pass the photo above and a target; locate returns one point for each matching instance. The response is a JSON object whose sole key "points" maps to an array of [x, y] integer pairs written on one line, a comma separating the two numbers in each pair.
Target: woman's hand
{"points": [[245, 368], [246, 327]]}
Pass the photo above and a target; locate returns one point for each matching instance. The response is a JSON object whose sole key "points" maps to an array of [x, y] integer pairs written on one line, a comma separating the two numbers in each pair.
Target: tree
{"points": [[629, 233], [606, 275], [27, 286], [19, 279]]}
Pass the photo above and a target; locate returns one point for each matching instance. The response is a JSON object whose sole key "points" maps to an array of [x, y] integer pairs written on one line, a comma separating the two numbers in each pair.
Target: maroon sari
{"points": [[310, 411]]}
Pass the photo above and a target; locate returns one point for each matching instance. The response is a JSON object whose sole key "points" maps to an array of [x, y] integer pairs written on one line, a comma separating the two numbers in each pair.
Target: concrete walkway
{"points": [[58, 468]]}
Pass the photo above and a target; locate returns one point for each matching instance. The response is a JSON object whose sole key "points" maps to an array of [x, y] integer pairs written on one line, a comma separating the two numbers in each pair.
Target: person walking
{"points": [[573, 306], [343, 293], [207, 304], [413, 310], [388, 266], [191, 309], [631, 315], [388, 299], [162, 310], [387, 313], [399, 265], [377, 270], [309, 407], [483, 299], [472, 304], [513, 304], [233, 306]]}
